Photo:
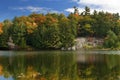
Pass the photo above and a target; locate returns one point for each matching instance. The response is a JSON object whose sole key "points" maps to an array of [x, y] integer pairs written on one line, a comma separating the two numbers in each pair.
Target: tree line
{"points": [[54, 31]]}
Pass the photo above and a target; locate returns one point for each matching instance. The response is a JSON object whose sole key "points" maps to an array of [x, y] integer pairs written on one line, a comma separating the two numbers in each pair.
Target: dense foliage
{"points": [[54, 31], [111, 40], [50, 31]]}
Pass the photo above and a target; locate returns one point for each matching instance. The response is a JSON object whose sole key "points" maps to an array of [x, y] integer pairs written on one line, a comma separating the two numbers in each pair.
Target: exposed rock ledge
{"points": [[82, 42]]}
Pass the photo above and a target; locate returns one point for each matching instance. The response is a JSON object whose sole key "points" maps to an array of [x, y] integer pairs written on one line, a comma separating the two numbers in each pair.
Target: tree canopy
{"points": [[52, 30]]}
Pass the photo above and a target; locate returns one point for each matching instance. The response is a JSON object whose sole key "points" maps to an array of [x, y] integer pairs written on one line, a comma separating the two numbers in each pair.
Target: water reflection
{"points": [[5, 75], [92, 66], [57, 65], [40, 65]]}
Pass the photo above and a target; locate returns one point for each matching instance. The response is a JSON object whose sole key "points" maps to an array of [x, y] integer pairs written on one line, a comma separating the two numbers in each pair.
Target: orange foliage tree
{"points": [[1, 25]]}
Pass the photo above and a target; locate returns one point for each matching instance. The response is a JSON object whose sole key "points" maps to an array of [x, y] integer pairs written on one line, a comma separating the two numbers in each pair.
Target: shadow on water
{"points": [[60, 65]]}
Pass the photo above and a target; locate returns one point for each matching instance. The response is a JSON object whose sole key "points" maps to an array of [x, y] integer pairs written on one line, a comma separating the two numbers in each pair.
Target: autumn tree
{"points": [[5, 33], [1, 25], [53, 30], [46, 35]]}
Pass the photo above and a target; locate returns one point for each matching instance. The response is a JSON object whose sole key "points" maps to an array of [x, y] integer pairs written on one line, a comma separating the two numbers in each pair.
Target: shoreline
{"points": [[27, 49]]}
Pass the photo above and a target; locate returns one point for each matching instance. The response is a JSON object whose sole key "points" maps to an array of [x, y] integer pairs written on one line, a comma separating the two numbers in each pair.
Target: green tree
{"points": [[46, 35], [103, 23], [18, 32], [87, 10], [76, 11], [86, 26], [66, 35], [5, 33], [111, 41], [74, 19], [116, 28]]}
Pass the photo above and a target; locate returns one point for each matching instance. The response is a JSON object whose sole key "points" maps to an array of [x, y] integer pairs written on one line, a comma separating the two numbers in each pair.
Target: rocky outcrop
{"points": [[10, 43], [82, 42]]}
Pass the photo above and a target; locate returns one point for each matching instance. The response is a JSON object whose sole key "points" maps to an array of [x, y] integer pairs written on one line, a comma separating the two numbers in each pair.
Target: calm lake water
{"points": [[60, 65]]}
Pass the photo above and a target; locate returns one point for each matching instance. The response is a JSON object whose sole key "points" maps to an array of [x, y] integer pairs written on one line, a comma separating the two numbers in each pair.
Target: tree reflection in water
{"points": [[59, 66], [4, 75]]}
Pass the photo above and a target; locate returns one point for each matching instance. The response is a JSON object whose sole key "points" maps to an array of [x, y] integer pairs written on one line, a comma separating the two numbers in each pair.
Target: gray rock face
{"points": [[10, 43], [81, 42]]}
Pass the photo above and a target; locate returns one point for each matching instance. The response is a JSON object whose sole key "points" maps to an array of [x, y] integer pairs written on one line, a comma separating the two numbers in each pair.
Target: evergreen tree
{"points": [[111, 41]]}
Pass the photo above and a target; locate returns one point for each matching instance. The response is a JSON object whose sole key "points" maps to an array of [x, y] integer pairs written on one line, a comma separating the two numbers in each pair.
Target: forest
{"points": [[54, 31]]}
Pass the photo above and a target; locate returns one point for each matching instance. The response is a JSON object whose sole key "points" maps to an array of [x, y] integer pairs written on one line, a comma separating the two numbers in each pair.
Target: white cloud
{"points": [[105, 5], [71, 10], [36, 9]]}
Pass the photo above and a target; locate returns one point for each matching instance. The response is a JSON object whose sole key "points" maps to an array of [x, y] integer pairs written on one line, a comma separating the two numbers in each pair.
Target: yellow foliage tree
{"points": [[1, 25]]}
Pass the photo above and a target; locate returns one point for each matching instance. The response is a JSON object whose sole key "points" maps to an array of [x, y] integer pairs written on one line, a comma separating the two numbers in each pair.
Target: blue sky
{"points": [[11, 8]]}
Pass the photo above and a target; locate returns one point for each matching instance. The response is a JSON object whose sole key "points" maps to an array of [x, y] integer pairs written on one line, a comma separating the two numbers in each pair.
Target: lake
{"points": [[60, 65]]}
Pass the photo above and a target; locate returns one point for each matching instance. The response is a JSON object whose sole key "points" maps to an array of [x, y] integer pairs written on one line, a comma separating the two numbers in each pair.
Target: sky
{"points": [[11, 8]]}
